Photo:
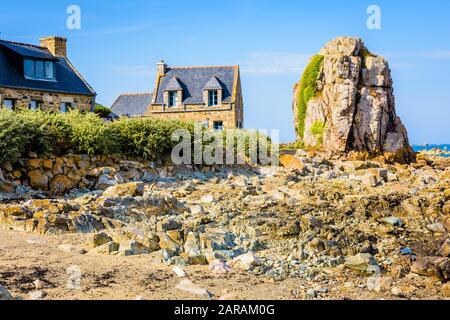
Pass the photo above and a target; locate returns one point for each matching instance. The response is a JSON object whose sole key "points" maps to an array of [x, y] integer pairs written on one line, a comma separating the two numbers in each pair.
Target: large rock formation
{"points": [[353, 108]]}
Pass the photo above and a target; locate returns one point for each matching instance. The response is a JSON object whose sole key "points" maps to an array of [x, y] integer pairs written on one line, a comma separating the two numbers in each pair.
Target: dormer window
{"points": [[172, 98], [39, 70], [213, 98]]}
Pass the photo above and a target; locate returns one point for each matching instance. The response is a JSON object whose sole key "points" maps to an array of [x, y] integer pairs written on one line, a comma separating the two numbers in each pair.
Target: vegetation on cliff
{"points": [[318, 129], [308, 89]]}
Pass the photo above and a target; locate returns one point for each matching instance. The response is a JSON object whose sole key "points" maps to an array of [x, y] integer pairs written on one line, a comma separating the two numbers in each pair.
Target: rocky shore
{"points": [[326, 229]]}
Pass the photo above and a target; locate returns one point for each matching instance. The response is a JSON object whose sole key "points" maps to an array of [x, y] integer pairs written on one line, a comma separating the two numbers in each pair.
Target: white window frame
{"points": [[173, 95]]}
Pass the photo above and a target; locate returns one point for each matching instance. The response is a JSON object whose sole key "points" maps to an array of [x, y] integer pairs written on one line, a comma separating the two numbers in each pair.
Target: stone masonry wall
{"points": [[197, 113], [61, 174], [50, 100]]}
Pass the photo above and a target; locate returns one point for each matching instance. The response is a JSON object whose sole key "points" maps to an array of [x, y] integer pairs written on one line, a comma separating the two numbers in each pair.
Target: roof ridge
{"points": [[136, 94], [200, 67], [24, 44]]}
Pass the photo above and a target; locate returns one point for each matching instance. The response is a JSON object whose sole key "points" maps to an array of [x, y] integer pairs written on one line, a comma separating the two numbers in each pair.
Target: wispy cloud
{"points": [[259, 63], [133, 71]]}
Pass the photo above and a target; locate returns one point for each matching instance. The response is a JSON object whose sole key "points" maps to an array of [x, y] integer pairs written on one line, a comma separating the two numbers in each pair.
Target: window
{"points": [[65, 107], [172, 98], [8, 104], [49, 70], [29, 68], [239, 125], [35, 105], [218, 125], [39, 69], [212, 98]]}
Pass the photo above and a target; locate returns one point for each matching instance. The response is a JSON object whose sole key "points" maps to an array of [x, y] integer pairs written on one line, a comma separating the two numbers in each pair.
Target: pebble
{"points": [[37, 295], [179, 272], [189, 286]]}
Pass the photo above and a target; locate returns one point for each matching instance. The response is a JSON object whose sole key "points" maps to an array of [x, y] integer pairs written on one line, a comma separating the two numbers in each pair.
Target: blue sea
{"points": [[446, 147]]}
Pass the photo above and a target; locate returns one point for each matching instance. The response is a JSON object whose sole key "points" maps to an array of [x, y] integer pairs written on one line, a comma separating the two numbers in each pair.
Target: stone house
{"points": [[211, 96], [41, 77]]}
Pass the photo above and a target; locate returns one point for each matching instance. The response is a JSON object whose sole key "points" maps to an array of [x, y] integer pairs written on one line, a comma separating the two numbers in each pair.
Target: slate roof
{"points": [[131, 104], [213, 84], [193, 81], [68, 80], [173, 85]]}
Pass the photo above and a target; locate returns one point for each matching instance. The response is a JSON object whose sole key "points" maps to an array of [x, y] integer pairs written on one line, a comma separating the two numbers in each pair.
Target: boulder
{"points": [[105, 181], [98, 239], [444, 251], [106, 248], [291, 162], [246, 261], [4, 294], [6, 186], [363, 262], [61, 183], [38, 180], [132, 247], [437, 267], [132, 189]]}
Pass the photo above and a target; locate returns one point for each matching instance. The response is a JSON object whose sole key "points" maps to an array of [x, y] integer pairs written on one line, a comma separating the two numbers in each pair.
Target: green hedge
{"points": [[87, 133], [59, 133], [308, 90], [102, 111]]}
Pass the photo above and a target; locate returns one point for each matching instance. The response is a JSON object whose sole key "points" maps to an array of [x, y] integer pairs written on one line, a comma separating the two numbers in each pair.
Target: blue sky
{"points": [[120, 43]]}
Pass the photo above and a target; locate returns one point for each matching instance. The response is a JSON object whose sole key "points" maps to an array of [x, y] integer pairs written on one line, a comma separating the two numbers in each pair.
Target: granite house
{"points": [[41, 77], [211, 96]]}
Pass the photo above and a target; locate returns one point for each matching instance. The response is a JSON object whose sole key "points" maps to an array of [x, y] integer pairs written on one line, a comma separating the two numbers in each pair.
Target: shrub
{"points": [[308, 90], [16, 135], [90, 134], [147, 138], [102, 111], [138, 138], [260, 140]]}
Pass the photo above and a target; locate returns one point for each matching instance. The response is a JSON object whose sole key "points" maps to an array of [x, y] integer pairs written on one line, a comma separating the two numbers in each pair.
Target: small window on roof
{"points": [[39, 69], [172, 98], [212, 98], [29, 68], [49, 70]]}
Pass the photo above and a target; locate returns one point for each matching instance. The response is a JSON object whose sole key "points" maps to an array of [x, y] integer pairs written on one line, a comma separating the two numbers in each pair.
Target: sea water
{"points": [[445, 147]]}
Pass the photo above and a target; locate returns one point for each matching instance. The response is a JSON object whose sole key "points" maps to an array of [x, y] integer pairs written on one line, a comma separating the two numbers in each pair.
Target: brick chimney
{"points": [[56, 45], [161, 68]]}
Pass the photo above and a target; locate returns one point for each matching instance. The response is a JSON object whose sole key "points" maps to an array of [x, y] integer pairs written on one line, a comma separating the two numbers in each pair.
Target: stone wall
{"points": [[61, 174], [198, 113], [51, 101]]}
